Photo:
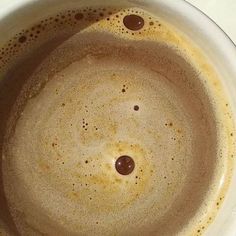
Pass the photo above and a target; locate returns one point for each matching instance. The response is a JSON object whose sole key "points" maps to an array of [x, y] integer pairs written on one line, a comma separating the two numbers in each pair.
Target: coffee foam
{"points": [[80, 113]]}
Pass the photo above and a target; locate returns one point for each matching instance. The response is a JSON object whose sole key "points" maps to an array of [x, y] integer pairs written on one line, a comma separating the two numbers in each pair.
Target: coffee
{"points": [[115, 127]]}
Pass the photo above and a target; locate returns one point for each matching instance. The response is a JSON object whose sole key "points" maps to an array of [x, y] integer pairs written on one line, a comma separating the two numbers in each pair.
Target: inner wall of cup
{"points": [[53, 9]]}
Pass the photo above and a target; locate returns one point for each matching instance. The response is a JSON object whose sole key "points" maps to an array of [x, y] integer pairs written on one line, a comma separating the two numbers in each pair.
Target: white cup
{"points": [[18, 14]]}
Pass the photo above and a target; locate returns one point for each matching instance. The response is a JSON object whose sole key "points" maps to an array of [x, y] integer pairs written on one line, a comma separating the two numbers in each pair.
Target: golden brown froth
{"points": [[105, 92]]}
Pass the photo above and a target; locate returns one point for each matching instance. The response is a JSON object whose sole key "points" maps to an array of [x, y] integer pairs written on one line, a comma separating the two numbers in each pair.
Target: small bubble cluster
{"points": [[124, 89], [85, 125], [125, 21]]}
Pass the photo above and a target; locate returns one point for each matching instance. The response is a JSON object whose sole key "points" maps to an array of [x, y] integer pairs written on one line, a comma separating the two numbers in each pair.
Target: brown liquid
{"points": [[133, 22], [88, 95], [79, 16], [125, 165]]}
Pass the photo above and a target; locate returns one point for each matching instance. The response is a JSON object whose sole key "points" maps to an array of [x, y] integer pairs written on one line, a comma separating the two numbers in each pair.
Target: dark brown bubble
{"points": [[136, 107], [133, 22], [22, 39], [79, 16], [124, 165]]}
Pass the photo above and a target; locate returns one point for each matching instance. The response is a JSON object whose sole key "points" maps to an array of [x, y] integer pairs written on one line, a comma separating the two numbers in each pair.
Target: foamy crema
{"points": [[98, 84]]}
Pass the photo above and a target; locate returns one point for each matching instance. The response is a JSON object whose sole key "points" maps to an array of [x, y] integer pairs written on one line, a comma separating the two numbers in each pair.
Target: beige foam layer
{"points": [[81, 115]]}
